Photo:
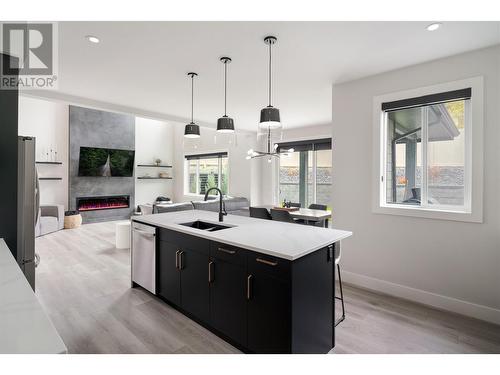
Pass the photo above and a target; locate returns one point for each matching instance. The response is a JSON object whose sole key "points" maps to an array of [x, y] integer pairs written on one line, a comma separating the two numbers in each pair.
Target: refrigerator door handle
{"points": [[37, 196]]}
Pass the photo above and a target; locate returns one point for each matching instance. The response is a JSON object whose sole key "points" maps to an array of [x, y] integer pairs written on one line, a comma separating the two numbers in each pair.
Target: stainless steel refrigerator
{"points": [[28, 204]]}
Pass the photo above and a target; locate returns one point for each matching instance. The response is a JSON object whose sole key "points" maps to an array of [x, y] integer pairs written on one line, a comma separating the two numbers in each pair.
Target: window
{"points": [[425, 151], [305, 175], [205, 171], [428, 152]]}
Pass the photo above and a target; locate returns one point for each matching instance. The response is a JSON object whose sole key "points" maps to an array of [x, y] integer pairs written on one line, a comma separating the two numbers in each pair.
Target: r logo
{"points": [[32, 44]]}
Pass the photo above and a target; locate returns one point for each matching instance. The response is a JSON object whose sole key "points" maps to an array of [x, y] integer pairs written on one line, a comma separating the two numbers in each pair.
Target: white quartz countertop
{"points": [[283, 240], [24, 326]]}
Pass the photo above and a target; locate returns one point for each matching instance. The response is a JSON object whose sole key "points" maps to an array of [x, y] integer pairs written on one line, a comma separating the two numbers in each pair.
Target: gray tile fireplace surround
{"points": [[93, 128]]}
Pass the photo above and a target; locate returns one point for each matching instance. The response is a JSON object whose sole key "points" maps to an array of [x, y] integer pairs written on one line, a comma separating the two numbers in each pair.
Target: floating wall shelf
{"points": [[49, 178], [48, 162]]}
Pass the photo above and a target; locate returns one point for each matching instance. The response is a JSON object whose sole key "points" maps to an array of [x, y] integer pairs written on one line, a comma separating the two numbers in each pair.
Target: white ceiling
{"points": [[143, 65]]}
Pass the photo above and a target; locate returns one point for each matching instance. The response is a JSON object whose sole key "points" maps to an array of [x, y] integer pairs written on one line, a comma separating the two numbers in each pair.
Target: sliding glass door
{"points": [[305, 175], [291, 181], [323, 178]]}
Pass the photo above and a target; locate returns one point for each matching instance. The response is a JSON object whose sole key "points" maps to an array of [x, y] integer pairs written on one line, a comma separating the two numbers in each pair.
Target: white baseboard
{"points": [[421, 296]]}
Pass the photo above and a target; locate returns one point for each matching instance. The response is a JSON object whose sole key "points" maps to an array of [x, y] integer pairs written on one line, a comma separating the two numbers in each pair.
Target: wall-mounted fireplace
{"points": [[102, 203], [100, 198]]}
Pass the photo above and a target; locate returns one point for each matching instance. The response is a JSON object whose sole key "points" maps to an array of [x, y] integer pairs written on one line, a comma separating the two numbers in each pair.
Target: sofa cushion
{"points": [[211, 205], [146, 209], [174, 207], [231, 204], [50, 219], [236, 203], [48, 224]]}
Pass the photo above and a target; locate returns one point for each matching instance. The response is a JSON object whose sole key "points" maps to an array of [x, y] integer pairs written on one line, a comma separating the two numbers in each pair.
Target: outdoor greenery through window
{"points": [[206, 171], [425, 152], [305, 175]]}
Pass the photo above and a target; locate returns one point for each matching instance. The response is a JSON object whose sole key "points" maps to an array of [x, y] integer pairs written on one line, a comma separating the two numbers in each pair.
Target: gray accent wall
{"points": [[94, 128]]}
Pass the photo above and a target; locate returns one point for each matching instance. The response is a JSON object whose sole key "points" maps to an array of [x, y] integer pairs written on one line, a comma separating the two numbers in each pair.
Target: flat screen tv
{"points": [[105, 162]]}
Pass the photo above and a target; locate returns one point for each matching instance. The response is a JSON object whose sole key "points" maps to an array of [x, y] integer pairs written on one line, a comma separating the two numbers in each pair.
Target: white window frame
{"points": [[473, 205], [186, 173]]}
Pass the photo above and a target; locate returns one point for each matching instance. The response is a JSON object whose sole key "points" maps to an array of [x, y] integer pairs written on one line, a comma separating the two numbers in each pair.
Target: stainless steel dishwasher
{"points": [[144, 256]]}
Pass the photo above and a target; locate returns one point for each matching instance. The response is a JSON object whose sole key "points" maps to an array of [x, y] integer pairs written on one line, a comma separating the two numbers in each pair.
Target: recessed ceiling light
{"points": [[433, 26], [92, 39]]}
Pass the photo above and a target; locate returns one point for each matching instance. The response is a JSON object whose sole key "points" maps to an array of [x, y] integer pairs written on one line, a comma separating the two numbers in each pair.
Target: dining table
{"points": [[308, 215]]}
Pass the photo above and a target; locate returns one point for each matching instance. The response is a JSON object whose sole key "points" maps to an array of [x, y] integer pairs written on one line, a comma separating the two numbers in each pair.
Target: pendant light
{"points": [[270, 116], [225, 124], [192, 130], [271, 151]]}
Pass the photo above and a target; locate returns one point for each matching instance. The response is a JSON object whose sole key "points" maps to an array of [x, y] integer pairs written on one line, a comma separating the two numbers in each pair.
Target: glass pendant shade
{"points": [[225, 125], [270, 118], [192, 130]]}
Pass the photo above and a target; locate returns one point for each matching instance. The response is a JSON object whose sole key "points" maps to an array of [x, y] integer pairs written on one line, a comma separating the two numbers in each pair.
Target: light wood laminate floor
{"points": [[83, 282]]}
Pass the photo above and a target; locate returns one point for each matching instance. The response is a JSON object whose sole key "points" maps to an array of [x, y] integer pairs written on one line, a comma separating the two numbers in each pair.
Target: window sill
{"points": [[428, 213]]}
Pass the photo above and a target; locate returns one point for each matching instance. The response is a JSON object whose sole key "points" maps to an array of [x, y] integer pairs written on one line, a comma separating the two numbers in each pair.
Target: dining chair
{"points": [[281, 215], [260, 213], [316, 206], [337, 254], [292, 204]]}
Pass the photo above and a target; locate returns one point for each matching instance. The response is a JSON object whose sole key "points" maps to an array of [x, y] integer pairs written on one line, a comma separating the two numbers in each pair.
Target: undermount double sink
{"points": [[206, 226]]}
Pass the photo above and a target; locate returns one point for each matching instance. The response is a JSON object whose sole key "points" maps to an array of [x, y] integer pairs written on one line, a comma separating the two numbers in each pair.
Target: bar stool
{"points": [[337, 254]]}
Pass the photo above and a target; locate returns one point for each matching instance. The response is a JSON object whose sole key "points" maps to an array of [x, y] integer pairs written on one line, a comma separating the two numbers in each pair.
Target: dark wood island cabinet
{"points": [[258, 303]]}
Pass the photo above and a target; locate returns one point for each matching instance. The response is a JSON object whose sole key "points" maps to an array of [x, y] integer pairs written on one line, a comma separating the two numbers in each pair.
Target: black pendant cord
{"points": [[225, 88], [270, 67], [192, 98]]}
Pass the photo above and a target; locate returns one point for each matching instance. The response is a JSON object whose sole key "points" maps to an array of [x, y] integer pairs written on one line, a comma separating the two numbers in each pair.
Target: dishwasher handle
{"points": [[144, 232]]}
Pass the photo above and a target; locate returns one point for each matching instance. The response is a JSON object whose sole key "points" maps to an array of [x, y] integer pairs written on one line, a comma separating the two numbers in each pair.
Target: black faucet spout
{"points": [[222, 210]]}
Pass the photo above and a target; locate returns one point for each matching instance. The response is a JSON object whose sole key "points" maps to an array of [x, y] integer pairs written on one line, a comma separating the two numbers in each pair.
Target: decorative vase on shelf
{"points": [[158, 162]]}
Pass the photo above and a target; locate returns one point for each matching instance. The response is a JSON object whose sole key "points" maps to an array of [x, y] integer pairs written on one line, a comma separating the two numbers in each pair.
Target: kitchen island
{"points": [[264, 286], [24, 326]]}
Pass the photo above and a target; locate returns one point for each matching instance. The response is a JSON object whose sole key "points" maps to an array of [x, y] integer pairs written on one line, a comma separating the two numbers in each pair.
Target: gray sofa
{"points": [[50, 219], [234, 206]]}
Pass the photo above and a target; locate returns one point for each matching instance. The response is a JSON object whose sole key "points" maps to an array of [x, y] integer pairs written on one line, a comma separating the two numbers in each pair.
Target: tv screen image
{"points": [[105, 162]]}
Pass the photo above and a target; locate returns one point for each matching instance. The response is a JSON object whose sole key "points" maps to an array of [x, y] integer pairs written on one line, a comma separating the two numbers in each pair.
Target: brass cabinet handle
{"points": [[249, 287], [232, 252], [210, 272], [268, 262], [177, 259], [181, 266]]}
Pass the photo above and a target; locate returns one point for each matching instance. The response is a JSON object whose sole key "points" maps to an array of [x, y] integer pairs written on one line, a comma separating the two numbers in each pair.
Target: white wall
{"points": [[243, 175], [48, 122], [153, 140], [269, 171], [451, 265]]}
